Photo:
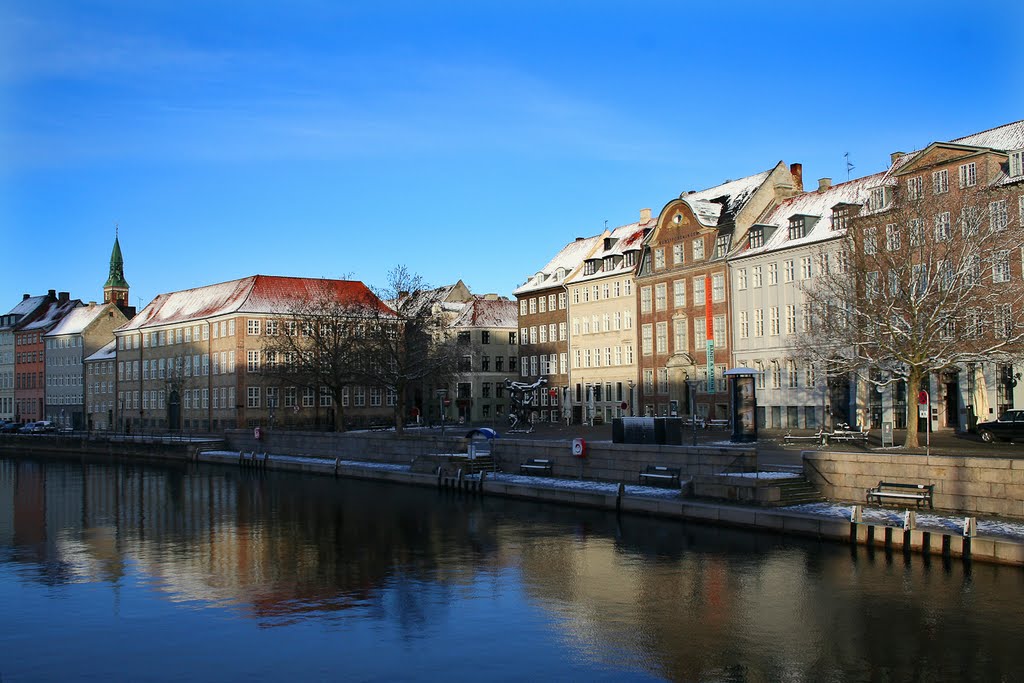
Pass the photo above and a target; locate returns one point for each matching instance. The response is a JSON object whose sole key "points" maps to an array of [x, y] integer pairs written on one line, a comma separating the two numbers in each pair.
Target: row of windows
{"points": [[545, 364], [466, 364], [542, 334], [789, 319], [606, 290], [657, 296], [64, 343], [607, 356], [770, 273], [654, 337], [607, 322], [697, 250], [465, 337], [542, 304], [63, 380]]}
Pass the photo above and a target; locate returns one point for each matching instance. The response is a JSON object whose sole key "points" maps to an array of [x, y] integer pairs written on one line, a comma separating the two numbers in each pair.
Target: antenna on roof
{"points": [[606, 224], [849, 166]]}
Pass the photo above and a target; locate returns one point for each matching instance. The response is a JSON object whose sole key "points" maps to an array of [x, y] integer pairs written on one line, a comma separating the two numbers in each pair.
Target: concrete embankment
{"points": [[618, 498]]}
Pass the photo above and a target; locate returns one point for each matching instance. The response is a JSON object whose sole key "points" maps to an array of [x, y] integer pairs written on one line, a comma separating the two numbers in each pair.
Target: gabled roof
{"points": [[811, 204], [483, 312], [25, 307], [1006, 138], [726, 199], [258, 294], [449, 297], [78, 320], [624, 238], [106, 352], [568, 259], [53, 314]]}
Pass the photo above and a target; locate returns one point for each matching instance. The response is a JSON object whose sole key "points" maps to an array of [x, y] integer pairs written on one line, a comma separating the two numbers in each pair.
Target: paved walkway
{"points": [[770, 445]]}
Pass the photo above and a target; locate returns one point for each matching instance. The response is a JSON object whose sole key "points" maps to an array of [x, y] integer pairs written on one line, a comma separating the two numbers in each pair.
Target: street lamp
{"points": [[632, 399]]}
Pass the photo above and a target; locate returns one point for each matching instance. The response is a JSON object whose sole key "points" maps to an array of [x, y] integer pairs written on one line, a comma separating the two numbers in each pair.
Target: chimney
{"points": [[579, 239], [92, 304], [25, 296], [824, 184], [797, 171], [52, 293], [894, 157], [63, 297], [645, 215]]}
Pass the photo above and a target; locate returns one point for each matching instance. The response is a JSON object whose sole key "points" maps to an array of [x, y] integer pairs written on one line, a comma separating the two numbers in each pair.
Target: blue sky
{"points": [[463, 139]]}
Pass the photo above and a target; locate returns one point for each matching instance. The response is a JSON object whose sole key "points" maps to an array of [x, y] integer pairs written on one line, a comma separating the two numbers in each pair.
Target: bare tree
{"points": [[409, 347], [318, 344], [918, 286]]}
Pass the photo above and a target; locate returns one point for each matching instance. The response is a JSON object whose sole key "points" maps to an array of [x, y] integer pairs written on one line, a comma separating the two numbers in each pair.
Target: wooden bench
{"points": [[919, 493], [848, 435], [818, 438], [537, 466], [659, 475]]}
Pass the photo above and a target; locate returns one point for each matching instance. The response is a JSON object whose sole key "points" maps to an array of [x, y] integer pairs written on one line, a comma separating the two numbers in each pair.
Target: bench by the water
{"points": [[919, 493], [848, 435], [537, 466], [659, 475], [821, 437]]}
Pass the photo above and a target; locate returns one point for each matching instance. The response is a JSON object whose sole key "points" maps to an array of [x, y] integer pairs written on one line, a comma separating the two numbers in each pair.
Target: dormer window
{"points": [[609, 262], [1017, 163], [629, 259], [756, 238], [797, 227], [589, 267], [722, 245], [841, 216]]}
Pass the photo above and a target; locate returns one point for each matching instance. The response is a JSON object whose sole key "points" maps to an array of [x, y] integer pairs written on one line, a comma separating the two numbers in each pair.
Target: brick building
{"points": [[682, 290]]}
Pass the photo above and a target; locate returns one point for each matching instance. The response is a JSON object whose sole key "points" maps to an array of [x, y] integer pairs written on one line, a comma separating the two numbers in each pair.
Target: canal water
{"points": [[117, 571]]}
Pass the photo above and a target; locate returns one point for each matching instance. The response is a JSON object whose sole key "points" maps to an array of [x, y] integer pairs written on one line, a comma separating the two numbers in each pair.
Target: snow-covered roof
{"points": [[76, 321], [484, 312], [566, 260], [732, 195], [816, 205], [106, 352], [259, 294], [26, 306], [622, 239], [53, 314], [1009, 136], [445, 297]]}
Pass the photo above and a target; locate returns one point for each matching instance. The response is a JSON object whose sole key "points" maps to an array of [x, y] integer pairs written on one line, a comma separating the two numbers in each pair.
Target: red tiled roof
{"points": [[264, 294]]}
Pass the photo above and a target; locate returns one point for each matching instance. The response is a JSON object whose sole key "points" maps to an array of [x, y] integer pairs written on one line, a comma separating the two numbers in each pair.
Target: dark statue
{"points": [[523, 398]]}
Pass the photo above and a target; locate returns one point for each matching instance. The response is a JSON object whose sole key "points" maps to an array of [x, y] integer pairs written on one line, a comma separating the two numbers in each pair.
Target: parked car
{"points": [[38, 427], [1009, 427], [11, 427]]}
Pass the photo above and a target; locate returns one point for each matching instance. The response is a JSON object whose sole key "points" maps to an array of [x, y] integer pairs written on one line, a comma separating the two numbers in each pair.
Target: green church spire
{"points": [[116, 278]]}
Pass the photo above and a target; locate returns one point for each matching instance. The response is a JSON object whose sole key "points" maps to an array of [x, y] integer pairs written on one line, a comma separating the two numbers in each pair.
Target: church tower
{"points": [[115, 290]]}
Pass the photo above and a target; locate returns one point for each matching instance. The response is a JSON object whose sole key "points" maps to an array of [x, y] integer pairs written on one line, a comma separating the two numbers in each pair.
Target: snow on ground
{"points": [[894, 518], [761, 475], [584, 485]]}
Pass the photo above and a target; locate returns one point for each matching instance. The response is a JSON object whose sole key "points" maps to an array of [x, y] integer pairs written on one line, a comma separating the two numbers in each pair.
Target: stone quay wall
{"points": [[977, 486], [604, 461]]}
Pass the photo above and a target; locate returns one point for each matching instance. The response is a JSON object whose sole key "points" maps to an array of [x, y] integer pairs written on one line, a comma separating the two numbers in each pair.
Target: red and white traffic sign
{"points": [[922, 397]]}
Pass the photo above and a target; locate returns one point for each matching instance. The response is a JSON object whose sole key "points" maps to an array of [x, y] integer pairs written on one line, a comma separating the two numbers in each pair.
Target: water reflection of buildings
{"points": [[683, 602]]}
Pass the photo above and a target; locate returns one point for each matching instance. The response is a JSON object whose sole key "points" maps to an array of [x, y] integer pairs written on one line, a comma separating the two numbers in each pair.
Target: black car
{"points": [[1009, 427], [11, 427]]}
